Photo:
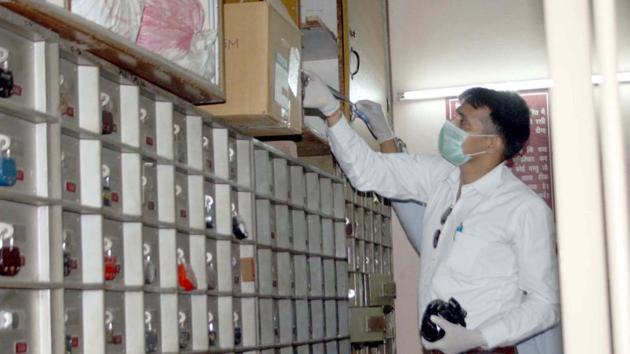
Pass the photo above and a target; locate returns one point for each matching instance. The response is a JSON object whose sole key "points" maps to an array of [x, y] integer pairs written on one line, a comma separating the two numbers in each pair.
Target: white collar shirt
{"points": [[496, 250]]}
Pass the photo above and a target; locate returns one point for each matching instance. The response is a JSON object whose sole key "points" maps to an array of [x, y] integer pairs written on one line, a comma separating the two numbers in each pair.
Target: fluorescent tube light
{"points": [[502, 86]]}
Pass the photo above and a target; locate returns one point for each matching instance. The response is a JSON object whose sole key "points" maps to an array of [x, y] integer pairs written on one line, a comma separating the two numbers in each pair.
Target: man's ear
{"points": [[497, 143]]}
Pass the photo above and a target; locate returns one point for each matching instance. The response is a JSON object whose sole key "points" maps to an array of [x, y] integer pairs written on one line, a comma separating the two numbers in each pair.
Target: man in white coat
{"points": [[410, 213], [487, 238]]}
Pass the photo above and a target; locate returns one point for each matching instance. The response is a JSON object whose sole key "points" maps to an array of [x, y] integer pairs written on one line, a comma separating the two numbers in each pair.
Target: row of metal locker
{"points": [[134, 223], [371, 285], [135, 322]]}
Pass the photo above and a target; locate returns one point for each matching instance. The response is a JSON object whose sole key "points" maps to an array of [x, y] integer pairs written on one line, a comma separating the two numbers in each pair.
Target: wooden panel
{"points": [[344, 52], [293, 7], [367, 20]]}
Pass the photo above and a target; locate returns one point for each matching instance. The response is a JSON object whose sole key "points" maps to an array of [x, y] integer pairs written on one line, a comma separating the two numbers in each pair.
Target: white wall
{"points": [[454, 42], [442, 43]]}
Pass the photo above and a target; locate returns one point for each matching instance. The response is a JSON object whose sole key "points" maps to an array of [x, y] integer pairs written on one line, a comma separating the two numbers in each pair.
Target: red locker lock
{"points": [[107, 118], [112, 268], [11, 260], [185, 274], [107, 122]]}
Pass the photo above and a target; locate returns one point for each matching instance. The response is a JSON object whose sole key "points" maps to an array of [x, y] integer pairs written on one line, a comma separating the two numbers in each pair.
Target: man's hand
{"points": [[456, 339], [376, 121], [317, 95]]}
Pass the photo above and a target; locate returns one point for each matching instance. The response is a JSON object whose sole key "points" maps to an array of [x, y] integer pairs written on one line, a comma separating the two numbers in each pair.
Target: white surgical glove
{"points": [[456, 339], [376, 121], [317, 95]]}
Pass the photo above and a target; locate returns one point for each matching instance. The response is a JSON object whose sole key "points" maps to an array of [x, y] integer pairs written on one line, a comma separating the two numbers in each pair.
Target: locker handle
{"points": [[356, 71]]}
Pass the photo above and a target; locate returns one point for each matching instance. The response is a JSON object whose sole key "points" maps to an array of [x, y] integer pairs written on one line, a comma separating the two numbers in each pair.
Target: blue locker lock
{"points": [[8, 171]]}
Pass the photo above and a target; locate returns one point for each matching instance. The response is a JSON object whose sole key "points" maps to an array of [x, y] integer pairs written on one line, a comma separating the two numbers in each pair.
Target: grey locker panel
{"points": [[314, 233], [184, 322], [332, 348], [180, 151], [236, 268], [72, 247], [73, 320], [265, 277], [318, 348], [316, 276], [340, 239], [330, 312], [341, 268], [213, 322], [351, 245], [343, 319], [68, 92], [23, 139], [112, 179], [237, 319], [151, 256], [113, 251], [232, 159], [152, 323], [276, 321], [115, 322], [207, 149], [387, 260], [211, 264], [338, 199], [300, 270], [317, 318], [330, 281], [285, 318], [110, 108], [312, 191], [284, 268], [183, 257], [149, 191], [181, 200], [281, 179], [345, 347], [303, 320], [210, 205], [70, 169], [21, 60], [148, 133], [20, 310], [266, 333], [298, 186], [263, 171], [19, 224], [326, 196], [299, 230], [368, 223], [328, 237], [282, 226], [263, 222]]}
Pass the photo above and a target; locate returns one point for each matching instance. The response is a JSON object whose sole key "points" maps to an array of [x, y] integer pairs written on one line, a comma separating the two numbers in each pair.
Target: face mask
{"points": [[451, 143]]}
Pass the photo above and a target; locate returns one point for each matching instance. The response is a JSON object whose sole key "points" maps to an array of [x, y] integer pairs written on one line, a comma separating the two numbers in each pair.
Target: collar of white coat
{"points": [[484, 185]]}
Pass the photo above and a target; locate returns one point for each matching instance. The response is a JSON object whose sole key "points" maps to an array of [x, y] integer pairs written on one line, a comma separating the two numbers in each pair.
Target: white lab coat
{"points": [[497, 243], [410, 214]]}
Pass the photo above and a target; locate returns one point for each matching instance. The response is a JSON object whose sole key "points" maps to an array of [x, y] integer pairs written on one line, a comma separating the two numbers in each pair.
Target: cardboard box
{"points": [[262, 71]]}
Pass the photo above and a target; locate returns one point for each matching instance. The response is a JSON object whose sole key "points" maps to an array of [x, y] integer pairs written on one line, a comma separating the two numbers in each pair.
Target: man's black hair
{"points": [[509, 113]]}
